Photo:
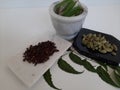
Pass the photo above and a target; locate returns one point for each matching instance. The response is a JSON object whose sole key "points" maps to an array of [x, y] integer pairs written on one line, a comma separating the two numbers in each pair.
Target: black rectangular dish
{"points": [[107, 57]]}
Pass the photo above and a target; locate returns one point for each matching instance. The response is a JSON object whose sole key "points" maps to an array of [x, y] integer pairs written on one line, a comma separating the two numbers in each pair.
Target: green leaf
{"points": [[105, 76], [74, 11], [68, 7], [85, 63], [78, 11], [89, 66], [117, 76], [66, 67], [61, 5], [48, 79], [103, 64], [75, 59], [118, 70]]}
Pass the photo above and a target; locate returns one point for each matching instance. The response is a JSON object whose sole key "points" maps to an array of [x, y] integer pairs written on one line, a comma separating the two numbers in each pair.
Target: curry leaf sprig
{"points": [[101, 70]]}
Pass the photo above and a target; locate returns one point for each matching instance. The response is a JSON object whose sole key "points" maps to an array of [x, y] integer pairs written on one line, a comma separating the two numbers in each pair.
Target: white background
{"points": [[42, 3], [21, 20]]}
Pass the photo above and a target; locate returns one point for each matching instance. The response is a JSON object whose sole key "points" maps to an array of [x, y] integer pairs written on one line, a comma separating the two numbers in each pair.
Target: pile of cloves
{"points": [[40, 52], [99, 43]]}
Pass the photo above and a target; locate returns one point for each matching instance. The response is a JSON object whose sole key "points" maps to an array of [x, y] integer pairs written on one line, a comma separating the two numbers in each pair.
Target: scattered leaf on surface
{"points": [[105, 76], [66, 67], [85, 63], [117, 76], [48, 79]]}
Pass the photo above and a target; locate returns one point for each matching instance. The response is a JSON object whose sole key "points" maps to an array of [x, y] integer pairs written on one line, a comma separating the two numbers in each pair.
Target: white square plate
{"points": [[30, 74]]}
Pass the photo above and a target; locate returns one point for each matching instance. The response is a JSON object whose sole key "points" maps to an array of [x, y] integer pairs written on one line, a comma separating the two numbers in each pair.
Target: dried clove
{"points": [[40, 52]]}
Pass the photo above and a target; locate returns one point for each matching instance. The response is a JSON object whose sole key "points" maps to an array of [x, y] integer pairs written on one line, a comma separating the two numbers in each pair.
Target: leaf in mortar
{"points": [[105, 76], [74, 11], [48, 79], [66, 67], [61, 5], [78, 11], [117, 76], [68, 7]]}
